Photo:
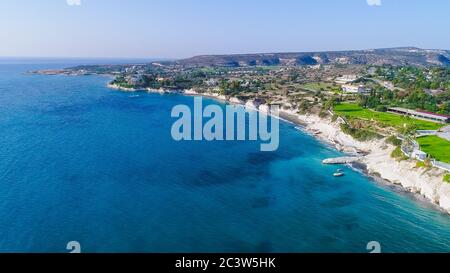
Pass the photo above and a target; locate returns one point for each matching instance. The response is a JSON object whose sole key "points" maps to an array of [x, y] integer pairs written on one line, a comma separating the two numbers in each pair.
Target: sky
{"points": [[184, 28]]}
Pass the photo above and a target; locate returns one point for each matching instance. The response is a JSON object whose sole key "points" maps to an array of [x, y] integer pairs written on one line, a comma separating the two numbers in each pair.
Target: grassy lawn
{"points": [[397, 121], [319, 86], [447, 178], [437, 147]]}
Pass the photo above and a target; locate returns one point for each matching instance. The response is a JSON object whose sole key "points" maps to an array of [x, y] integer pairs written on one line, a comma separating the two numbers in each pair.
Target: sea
{"points": [[81, 162]]}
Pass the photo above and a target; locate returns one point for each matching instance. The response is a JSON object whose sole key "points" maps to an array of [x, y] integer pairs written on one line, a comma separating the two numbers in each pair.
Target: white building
{"points": [[212, 82], [388, 85], [419, 155], [420, 114], [135, 79], [357, 89], [346, 79]]}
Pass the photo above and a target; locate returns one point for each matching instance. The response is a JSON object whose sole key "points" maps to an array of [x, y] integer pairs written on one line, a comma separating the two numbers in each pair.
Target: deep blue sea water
{"points": [[82, 162]]}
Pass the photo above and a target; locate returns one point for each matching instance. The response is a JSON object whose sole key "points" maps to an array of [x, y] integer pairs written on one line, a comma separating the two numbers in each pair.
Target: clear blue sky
{"points": [[182, 28]]}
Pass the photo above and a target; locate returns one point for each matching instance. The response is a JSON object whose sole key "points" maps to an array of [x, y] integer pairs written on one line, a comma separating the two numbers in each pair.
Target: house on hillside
{"points": [[355, 89], [135, 79], [388, 85], [346, 79]]}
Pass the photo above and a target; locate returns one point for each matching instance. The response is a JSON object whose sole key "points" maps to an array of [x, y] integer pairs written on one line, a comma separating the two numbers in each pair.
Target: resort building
{"points": [[359, 89], [388, 85], [134, 80], [346, 79], [420, 114], [212, 82], [419, 155]]}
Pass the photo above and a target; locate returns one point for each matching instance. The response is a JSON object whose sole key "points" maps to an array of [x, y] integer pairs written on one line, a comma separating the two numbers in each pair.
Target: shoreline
{"points": [[378, 164], [376, 161]]}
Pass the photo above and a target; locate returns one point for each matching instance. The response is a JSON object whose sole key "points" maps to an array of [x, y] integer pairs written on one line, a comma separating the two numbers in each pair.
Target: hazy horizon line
{"points": [[207, 54]]}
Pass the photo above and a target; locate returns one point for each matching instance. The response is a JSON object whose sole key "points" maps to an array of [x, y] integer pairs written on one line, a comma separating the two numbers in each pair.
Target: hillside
{"points": [[388, 56]]}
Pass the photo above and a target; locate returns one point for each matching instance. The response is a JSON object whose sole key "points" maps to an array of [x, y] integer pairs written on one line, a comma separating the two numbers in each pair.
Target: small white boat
{"points": [[338, 173]]}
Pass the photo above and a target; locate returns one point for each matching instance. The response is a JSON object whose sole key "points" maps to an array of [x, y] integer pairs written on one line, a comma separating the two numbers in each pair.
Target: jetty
{"points": [[342, 160]]}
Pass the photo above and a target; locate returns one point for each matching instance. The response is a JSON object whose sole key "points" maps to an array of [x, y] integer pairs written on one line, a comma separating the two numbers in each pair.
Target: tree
{"points": [[362, 101], [331, 102], [409, 130]]}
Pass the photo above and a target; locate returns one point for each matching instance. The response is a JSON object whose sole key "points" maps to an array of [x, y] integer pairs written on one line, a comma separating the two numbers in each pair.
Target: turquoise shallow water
{"points": [[81, 162]]}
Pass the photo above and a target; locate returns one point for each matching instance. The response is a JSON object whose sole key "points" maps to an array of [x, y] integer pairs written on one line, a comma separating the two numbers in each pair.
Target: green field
{"points": [[319, 86], [397, 121], [447, 178], [437, 147]]}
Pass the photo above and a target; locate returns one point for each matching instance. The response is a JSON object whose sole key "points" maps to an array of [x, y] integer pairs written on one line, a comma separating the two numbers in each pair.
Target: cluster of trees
{"points": [[358, 131], [379, 99], [178, 82], [413, 82], [230, 87], [414, 78], [234, 87]]}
